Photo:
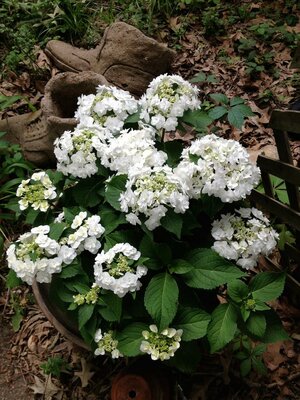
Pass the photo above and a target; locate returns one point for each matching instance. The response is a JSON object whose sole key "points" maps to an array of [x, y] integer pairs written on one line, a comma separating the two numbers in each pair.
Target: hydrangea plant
{"points": [[140, 237]]}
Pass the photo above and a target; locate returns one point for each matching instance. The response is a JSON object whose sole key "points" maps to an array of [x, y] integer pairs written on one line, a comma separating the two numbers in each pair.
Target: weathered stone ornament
{"points": [[125, 56], [36, 132]]}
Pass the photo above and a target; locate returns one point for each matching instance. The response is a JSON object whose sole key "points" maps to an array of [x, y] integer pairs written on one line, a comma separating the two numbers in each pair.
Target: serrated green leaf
{"points": [[193, 322], [155, 251], [256, 324], [71, 270], [114, 187], [86, 193], [133, 118], [198, 119], [267, 286], [200, 77], [210, 270], [56, 230], [113, 310], [259, 366], [222, 328], [217, 112], [245, 366], [16, 319], [130, 339], [110, 218], [237, 291], [274, 330], [161, 299], [244, 110], [219, 98], [12, 280], [172, 222], [85, 312], [235, 117], [173, 148], [186, 358], [236, 100], [180, 267]]}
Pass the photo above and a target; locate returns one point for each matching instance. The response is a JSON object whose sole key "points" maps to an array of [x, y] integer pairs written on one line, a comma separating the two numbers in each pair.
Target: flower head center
{"points": [[120, 266]]}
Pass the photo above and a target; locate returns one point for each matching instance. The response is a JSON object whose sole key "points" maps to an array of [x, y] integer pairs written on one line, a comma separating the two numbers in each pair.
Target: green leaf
{"points": [[12, 280], [244, 110], [71, 270], [235, 117], [161, 298], [274, 329], [16, 319], [217, 112], [219, 98], [114, 187], [197, 118], [256, 324], [155, 251], [130, 339], [172, 222], [200, 77], [86, 192], [236, 100], [222, 327], [174, 149], [267, 286], [237, 291], [111, 218], [85, 312], [180, 267], [193, 322], [56, 230], [259, 366], [31, 216], [133, 118], [210, 270], [245, 366], [186, 358], [113, 310]]}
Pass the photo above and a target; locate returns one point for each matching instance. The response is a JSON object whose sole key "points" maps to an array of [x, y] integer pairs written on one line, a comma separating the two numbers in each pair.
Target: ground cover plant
{"points": [[240, 50]]}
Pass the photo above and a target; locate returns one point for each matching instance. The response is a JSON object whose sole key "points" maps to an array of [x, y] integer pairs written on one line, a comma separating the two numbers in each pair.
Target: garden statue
{"points": [[125, 57]]}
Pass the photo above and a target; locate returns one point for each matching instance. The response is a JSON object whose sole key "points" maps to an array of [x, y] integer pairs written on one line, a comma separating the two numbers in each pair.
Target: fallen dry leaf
{"points": [[85, 374]]}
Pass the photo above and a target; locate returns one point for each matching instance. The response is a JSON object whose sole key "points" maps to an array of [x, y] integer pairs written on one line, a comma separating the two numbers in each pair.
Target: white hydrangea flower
{"points": [[217, 167], [118, 270], [106, 344], [130, 146], [161, 345], [86, 232], [35, 255], [166, 99], [109, 108], [77, 152], [36, 192], [244, 236], [150, 191]]}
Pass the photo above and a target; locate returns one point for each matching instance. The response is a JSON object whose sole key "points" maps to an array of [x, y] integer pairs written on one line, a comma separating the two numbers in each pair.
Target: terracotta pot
{"points": [[142, 381], [55, 315]]}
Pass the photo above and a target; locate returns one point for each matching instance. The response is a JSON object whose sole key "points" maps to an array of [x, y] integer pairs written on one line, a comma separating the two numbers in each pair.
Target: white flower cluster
{"points": [[77, 152], [161, 345], [117, 269], [150, 191], [87, 231], [244, 236], [109, 108], [36, 255], [217, 167], [133, 147], [36, 192], [106, 344], [166, 99]]}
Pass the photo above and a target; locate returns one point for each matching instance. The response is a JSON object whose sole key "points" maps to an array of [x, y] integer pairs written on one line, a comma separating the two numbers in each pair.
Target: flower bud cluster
{"points": [[118, 270], [106, 344], [244, 236], [36, 192], [91, 297], [161, 345]]}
